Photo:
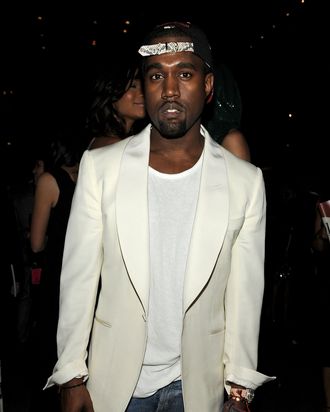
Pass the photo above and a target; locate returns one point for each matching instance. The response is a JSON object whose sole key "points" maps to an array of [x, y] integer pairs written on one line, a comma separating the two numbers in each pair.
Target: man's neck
{"points": [[175, 155]]}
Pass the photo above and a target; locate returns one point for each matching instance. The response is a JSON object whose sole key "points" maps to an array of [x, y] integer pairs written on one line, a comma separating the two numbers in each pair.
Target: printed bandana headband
{"points": [[170, 47]]}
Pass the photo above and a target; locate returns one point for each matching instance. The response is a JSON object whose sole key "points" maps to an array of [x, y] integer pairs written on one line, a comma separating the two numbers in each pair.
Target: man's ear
{"points": [[210, 96], [209, 87]]}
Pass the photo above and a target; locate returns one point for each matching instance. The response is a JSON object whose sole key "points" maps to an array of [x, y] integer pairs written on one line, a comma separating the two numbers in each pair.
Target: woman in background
{"points": [[52, 204], [222, 116], [118, 109]]}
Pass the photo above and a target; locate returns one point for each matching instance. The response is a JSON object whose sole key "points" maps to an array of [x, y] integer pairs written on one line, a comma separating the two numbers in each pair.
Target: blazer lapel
{"points": [[132, 212], [210, 223]]}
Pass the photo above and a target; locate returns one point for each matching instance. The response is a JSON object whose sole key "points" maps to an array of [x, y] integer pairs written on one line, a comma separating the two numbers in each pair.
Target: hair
{"points": [[64, 149], [110, 85]]}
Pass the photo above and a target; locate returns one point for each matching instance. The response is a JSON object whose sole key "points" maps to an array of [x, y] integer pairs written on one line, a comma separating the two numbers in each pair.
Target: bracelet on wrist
{"points": [[239, 394], [61, 387]]}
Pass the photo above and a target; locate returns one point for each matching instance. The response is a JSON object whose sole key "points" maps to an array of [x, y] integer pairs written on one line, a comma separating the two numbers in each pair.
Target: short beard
{"points": [[172, 130]]}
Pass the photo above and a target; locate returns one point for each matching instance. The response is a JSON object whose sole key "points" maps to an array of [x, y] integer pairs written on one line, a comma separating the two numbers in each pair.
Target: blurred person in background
{"points": [[222, 114], [117, 109], [52, 203]]}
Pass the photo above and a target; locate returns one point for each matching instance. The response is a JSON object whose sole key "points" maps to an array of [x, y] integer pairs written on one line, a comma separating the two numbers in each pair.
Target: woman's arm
{"points": [[46, 197]]}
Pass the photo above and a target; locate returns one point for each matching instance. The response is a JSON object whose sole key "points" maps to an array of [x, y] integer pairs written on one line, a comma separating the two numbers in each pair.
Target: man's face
{"points": [[175, 90]]}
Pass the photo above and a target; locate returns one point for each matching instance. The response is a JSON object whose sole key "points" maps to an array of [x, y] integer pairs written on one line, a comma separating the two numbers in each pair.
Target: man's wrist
{"points": [[72, 382]]}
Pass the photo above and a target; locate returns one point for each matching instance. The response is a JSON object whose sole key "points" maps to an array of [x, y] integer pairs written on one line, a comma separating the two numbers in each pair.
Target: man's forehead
{"points": [[176, 58]]}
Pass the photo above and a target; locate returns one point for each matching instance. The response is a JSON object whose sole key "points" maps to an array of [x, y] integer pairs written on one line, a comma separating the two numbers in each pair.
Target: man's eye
{"points": [[156, 76], [185, 75]]}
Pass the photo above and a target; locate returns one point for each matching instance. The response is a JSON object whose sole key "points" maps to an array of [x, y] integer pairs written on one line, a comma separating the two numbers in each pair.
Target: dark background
{"points": [[276, 49]]}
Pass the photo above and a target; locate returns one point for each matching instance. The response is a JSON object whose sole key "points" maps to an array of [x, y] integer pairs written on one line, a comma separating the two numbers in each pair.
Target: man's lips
{"points": [[171, 109]]}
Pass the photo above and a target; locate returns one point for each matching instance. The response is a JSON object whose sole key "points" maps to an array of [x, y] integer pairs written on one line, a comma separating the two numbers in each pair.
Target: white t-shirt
{"points": [[172, 208]]}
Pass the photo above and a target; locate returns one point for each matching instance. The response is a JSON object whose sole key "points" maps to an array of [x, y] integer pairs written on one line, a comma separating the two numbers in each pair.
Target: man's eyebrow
{"points": [[187, 65], [153, 66]]}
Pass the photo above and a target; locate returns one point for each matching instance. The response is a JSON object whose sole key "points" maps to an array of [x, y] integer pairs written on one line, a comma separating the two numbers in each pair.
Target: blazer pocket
{"points": [[103, 322]]}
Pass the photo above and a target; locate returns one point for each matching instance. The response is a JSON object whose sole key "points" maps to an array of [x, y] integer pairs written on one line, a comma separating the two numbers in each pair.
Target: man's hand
{"points": [[75, 397]]}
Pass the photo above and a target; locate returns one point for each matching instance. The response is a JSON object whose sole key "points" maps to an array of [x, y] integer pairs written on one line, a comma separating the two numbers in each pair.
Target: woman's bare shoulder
{"points": [[236, 143]]}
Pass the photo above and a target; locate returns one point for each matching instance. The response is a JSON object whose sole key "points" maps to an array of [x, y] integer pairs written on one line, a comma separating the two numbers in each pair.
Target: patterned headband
{"points": [[170, 47]]}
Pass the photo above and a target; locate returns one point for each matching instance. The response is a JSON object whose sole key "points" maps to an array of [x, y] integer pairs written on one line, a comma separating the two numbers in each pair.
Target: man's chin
{"points": [[172, 130]]}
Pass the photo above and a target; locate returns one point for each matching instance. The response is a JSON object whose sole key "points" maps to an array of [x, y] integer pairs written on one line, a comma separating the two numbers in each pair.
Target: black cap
{"points": [[201, 46]]}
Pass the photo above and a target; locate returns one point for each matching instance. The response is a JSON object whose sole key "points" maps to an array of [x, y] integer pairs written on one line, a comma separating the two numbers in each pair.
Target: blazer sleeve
{"points": [[80, 274], [244, 294]]}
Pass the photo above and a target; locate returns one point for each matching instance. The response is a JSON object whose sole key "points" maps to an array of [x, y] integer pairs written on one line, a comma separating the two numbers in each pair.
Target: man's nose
{"points": [[170, 88]]}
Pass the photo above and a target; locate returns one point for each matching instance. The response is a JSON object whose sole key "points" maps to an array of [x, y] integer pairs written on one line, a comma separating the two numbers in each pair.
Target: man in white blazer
{"points": [[175, 224]]}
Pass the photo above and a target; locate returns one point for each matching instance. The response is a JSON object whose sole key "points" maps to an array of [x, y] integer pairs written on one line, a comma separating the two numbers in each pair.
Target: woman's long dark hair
{"points": [[64, 148], [111, 84]]}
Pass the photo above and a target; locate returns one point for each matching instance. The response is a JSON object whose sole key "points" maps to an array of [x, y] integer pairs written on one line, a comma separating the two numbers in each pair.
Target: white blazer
{"points": [[224, 281]]}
